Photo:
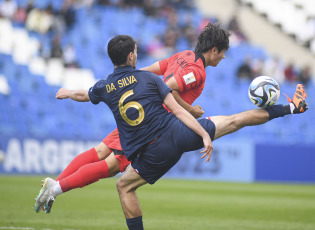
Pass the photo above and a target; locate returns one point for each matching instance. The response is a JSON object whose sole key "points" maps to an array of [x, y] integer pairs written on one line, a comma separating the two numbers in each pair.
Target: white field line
{"points": [[27, 228], [15, 228]]}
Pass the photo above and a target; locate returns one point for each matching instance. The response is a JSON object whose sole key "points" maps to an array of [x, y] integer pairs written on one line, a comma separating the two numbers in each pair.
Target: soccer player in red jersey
{"points": [[183, 72]]}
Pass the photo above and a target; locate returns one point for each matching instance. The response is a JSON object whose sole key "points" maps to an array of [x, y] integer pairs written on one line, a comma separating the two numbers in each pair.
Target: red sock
{"points": [[86, 175], [84, 158]]}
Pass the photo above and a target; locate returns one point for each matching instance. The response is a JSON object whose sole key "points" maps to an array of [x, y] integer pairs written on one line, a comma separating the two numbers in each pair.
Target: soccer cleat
{"points": [[37, 209], [47, 206], [298, 100], [45, 194]]}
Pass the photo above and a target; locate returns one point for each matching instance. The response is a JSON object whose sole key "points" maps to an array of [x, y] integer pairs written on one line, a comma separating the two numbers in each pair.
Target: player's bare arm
{"points": [[196, 110], [154, 68], [191, 123], [80, 95]]}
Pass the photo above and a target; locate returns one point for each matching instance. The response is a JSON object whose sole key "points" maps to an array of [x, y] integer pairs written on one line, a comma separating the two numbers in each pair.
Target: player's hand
{"points": [[208, 148], [197, 111], [63, 93]]}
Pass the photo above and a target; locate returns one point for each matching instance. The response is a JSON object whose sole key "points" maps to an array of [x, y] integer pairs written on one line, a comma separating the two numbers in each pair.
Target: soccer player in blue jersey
{"points": [[186, 78], [152, 138]]}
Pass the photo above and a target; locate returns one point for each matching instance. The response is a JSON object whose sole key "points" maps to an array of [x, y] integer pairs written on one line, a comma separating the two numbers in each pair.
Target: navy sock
{"points": [[276, 111], [135, 223]]}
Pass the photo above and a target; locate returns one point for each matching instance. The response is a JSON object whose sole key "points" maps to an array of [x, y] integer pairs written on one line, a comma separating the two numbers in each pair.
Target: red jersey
{"points": [[188, 68]]}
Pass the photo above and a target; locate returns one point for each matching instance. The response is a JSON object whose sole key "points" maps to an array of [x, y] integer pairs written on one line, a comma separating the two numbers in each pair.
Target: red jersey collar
{"points": [[199, 55]]}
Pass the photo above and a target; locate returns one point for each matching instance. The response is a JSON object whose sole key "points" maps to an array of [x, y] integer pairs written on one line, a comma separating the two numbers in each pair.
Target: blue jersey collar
{"points": [[120, 69]]}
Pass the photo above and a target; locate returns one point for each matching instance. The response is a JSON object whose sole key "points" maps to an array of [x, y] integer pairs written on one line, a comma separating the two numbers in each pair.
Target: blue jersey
{"points": [[136, 99]]}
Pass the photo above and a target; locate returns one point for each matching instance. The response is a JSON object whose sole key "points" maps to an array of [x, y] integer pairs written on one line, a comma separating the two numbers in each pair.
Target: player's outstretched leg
{"points": [[229, 124], [87, 174], [100, 152]]}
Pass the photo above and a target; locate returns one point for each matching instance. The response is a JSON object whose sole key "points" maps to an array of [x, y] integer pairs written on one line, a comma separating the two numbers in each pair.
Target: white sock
{"points": [[292, 107], [57, 189]]}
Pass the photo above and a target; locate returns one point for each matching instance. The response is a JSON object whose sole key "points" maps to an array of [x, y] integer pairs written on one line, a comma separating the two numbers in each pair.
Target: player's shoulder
{"points": [[144, 73], [185, 53], [191, 57], [99, 85], [147, 76]]}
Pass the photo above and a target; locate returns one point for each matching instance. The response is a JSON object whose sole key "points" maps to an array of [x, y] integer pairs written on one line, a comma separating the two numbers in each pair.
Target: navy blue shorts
{"points": [[160, 156]]}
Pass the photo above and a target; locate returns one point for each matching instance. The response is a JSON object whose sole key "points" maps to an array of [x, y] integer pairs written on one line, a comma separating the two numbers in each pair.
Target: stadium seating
{"points": [[31, 109], [297, 17]]}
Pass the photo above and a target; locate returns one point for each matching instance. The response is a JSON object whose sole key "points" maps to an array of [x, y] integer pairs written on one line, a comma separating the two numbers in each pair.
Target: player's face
{"points": [[216, 57]]}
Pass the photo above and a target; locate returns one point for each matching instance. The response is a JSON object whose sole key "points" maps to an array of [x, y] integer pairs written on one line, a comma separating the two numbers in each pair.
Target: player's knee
{"points": [[119, 185], [114, 171], [113, 165], [102, 151], [125, 186], [122, 187]]}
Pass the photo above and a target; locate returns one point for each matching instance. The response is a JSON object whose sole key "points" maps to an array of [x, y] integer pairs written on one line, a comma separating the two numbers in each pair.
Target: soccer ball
{"points": [[264, 91]]}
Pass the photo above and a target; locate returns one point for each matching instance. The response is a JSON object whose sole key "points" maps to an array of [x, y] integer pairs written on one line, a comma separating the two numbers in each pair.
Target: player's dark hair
{"points": [[212, 36], [119, 48]]}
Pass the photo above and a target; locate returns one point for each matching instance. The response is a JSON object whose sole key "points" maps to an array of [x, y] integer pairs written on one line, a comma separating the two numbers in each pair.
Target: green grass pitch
{"points": [[167, 205]]}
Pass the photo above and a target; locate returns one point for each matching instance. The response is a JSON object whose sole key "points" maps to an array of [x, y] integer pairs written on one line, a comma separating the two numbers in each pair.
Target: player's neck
{"points": [[124, 65], [206, 58]]}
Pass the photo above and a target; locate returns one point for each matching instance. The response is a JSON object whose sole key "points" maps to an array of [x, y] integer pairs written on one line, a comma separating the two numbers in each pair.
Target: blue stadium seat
{"points": [[42, 114]]}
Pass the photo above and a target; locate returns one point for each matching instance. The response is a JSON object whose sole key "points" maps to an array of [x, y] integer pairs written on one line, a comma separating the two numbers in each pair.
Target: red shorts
{"points": [[123, 162], [112, 141]]}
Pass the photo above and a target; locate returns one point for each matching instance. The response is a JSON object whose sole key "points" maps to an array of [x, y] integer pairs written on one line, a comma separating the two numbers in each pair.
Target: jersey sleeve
{"points": [[162, 87], [163, 65], [96, 90], [189, 78]]}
